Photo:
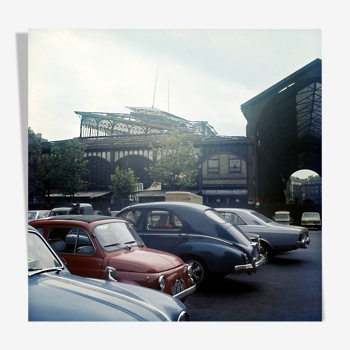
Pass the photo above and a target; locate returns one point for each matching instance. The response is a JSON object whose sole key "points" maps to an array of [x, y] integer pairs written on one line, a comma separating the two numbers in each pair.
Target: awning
{"points": [[91, 194]]}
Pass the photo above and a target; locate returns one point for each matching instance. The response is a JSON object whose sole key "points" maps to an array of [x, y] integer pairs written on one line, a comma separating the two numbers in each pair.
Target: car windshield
{"points": [[31, 215], [311, 215], [116, 235], [261, 217], [281, 216], [40, 257]]}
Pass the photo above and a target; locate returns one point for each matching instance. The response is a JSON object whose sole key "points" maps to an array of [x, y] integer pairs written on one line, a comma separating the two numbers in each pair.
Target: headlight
{"points": [[183, 317], [189, 271], [161, 282]]}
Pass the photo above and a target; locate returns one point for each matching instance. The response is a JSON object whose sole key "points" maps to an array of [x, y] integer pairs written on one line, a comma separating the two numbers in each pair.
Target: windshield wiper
{"points": [[129, 242], [110, 245]]}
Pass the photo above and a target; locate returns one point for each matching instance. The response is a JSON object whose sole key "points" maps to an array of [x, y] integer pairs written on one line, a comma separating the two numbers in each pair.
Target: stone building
{"points": [[123, 140]]}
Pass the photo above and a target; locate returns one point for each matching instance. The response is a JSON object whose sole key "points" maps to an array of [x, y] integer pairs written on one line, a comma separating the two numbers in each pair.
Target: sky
{"points": [[203, 75]]}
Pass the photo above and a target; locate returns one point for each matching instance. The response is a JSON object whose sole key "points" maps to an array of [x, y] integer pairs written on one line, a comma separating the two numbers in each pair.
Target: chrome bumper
{"points": [[185, 292], [303, 243], [253, 266]]}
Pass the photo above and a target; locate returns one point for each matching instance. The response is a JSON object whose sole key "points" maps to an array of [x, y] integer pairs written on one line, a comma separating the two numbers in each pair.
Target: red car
{"points": [[90, 243]]}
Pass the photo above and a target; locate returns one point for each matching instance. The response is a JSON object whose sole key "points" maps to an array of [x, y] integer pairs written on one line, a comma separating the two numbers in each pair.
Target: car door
{"points": [[74, 245], [163, 230]]}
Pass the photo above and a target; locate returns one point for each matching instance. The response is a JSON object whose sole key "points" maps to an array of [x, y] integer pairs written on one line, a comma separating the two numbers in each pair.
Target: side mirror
{"points": [[110, 272]]}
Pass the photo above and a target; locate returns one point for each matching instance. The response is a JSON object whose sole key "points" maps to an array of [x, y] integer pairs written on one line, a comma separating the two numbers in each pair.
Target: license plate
{"points": [[178, 287]]}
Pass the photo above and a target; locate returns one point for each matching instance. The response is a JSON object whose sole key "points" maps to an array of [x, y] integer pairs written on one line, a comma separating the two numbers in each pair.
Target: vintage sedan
{"points": [[274, 237], [54, 294], [198, 235], [311, 219], [90, 243]]}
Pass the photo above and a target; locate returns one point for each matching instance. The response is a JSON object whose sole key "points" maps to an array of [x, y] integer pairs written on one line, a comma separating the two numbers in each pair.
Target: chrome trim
{"points": [[218, 239], [251, 267], [185, 292], [181, 314]]}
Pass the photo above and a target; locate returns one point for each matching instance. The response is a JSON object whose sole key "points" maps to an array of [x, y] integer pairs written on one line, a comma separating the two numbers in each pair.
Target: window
{"points": [[134, 216], [213, 166], [70, 240], [235, 166], [234, 218], [163, 220]]}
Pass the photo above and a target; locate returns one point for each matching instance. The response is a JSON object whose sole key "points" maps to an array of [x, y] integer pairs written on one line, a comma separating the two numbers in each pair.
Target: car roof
{"points": [[83, 218], [169, 205], [282, 212]]}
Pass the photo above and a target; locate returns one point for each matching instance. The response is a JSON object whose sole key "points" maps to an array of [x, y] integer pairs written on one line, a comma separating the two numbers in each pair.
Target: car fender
{"points": [[219, 257]]}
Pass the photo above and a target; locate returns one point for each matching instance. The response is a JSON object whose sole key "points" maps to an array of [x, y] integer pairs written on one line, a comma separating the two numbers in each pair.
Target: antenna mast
{"points": [[154, 95]]}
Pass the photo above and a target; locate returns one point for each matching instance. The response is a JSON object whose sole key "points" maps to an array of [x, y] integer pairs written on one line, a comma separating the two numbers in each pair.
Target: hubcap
{"points": [[198, 271]]}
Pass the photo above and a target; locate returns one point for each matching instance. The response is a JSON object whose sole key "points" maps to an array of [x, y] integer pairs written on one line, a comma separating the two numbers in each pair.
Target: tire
{"points": [[200, 269], [267, 249]]}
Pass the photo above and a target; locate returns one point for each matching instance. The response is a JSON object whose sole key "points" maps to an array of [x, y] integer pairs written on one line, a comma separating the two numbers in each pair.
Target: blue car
{"points": [[54, 294], [198, 234]]}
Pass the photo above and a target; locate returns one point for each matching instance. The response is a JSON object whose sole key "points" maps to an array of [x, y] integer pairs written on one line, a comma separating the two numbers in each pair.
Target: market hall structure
{"points": [[283, 135]]}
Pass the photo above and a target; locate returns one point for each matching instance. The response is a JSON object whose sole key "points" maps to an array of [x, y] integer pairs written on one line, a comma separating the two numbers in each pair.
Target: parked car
{"points": [[311, 219], [66, 209], [274, 237], [37, 214], [90, 243], [98, 212], [283, 217], [198, 234], [54, 294]]}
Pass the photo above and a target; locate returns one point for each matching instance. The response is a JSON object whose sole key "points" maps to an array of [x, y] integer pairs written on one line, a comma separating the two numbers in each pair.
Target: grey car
{"points": [[274, 237]]}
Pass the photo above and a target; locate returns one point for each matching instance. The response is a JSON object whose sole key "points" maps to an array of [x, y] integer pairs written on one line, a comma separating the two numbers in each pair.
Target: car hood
{"points": [[144, 260], [65, 297]]}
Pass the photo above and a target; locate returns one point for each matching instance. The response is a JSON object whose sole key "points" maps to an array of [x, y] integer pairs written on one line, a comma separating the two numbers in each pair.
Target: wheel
{"points": [[200, 270], [267, 249]]}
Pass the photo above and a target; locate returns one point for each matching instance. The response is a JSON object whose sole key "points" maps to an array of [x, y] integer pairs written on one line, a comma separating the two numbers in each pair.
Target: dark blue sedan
{"points": [[54, 294], [198, 234]]}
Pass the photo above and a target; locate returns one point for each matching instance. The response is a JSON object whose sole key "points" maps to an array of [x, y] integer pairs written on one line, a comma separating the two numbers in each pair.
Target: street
{"points": [[289, 288]]}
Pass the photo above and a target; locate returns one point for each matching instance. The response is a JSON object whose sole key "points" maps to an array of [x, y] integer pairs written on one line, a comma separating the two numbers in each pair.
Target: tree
{"points": [[178, 167], [68, 167], [37, 172], [123, 183]]}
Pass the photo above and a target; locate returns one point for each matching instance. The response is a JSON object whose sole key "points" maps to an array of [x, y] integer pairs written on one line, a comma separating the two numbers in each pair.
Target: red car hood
{"points": [[144, 260]]}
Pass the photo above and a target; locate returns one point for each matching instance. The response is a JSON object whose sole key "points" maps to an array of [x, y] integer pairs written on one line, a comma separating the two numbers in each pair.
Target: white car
{"points": [[283, 217], [311, 219], [274, 237]]}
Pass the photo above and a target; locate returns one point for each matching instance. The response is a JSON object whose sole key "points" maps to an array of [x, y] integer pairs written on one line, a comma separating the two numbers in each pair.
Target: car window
{"points": [[39, 256], [163, 220], [31, 215], [281, 216], [214, 215], [113, 236], [70, 240], [135, 216], [233, 217], [261, 217]]}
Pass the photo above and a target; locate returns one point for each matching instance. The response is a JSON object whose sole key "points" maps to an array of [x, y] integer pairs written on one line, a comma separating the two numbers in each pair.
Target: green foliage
{"points": [[178, 166], [68, 167], [123, 182], [37, 172]]}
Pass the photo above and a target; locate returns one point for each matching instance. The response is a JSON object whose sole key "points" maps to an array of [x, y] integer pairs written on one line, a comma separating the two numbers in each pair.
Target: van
{"points": [[179, 196]]}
